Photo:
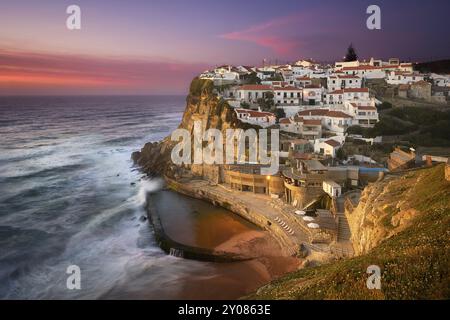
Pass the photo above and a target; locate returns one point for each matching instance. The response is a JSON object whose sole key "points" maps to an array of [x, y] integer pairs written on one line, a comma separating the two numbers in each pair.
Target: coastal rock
{"points": [[202, 104]]}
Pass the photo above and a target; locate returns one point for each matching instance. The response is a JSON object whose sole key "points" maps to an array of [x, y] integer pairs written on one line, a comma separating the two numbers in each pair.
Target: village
{"points": [[314, 106]]}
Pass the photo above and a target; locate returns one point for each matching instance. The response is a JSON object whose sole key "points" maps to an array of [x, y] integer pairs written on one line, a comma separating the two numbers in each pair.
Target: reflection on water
{"points": [[197, 223]]}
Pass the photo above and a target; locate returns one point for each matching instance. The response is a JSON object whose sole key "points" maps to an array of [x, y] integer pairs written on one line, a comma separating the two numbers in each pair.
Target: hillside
{"points": [[440, 66], [403, 226]]}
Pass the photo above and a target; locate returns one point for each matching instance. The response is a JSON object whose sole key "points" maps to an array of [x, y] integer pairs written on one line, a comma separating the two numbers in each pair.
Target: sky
{"points": [[158, 46]]}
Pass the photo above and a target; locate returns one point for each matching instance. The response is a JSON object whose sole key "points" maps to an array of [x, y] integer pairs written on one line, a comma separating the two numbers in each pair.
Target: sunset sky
{"points": [[156, 47]]}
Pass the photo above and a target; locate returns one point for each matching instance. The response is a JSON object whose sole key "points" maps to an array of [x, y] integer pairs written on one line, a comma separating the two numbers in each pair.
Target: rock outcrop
{"points": [[202, 104]]}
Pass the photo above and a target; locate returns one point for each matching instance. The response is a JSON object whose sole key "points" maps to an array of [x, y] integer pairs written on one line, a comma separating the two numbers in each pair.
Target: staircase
{"points": [[344, 233]]}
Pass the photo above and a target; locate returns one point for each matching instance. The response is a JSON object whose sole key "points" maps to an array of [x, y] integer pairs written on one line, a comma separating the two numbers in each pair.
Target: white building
{"points": [[287, 95], [339, 96], [335, 122], [337, 82], [403, 77], [260, 118], [365, 71], [250, 93], [327, 147], [312, 95], [332, 188], [364, 113]]}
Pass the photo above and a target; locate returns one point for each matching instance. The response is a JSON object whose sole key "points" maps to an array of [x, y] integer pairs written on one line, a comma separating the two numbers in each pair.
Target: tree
{"points": [[351, 54], [267, 102], [245, 105], [279, 113], [252, 78]]}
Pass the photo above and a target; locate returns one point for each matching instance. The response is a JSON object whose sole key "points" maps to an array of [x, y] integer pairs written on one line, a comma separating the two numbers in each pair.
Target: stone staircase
{"points": [[344, 233]]}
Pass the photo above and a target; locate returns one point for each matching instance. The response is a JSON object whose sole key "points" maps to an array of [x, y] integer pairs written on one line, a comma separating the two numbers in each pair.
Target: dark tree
{"points": [[279, 113], [351, 54]]}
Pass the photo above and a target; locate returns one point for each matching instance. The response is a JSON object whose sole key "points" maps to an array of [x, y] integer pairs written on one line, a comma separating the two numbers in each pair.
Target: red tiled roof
{"points": [[333, 143], [303, 78], [312, 86], [366, 108], [285, 121], [337, 114], [342, 91], [313, 112], [255, 87], [312, 122]]}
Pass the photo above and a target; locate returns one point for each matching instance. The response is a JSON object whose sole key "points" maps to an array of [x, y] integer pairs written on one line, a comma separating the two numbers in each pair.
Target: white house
{"points": [[364, 113], [365, 71], [260, 118], [250, 93], [336, 122], [402, 77], [327, 147], [287, 95], [303, 81], [312, 95], [339, 96], [332, 188], [337, 82]]}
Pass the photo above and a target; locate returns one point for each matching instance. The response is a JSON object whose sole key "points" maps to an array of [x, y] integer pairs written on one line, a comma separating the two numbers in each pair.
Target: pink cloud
{"points": [[273, 34], [23, 72]]}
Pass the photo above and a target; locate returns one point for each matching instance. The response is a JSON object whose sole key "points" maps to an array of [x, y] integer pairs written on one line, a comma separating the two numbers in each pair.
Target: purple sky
{"points": [[156, 47]]}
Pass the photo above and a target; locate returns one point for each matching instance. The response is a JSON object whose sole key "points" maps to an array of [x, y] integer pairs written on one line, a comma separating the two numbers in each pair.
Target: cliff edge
{"points": [[402, 225], [202, 104]]}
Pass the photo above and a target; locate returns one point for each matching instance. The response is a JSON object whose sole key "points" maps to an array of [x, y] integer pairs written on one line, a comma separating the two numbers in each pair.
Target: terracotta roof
{"points": [[304, 78], [261, 87], [333, 143], [313, 112], [313, 86], [285, 121], [337, 114], [366, 108], [312, 122]]}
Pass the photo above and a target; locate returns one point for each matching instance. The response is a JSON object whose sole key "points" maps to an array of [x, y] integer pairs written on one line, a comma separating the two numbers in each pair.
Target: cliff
{"points": [[402, 225], [202, 104]]}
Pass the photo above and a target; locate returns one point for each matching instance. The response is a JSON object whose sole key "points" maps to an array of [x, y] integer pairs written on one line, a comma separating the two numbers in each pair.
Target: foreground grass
{"points": [[414, 263]]}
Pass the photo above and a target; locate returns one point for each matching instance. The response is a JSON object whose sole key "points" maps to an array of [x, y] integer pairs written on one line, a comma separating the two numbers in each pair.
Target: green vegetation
{"points": [[252, 78], [440, 66], [351, 54], [267, 102], [415, 262], [418, 125], [279, 113]]}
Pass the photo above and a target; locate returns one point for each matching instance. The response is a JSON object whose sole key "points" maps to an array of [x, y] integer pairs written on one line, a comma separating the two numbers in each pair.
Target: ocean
{"points": [[70, 195]]}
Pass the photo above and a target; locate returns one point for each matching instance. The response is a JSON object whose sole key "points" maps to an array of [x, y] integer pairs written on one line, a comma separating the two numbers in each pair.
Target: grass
{"points": [[415, 262]]}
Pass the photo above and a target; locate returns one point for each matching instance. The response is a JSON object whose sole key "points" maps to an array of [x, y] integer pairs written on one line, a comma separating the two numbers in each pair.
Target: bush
{"points": [[385, 106]]}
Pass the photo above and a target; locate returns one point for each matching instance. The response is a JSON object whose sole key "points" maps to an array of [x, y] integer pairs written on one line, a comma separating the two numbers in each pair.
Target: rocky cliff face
{"points": [[201, 105], [386, 208]]}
